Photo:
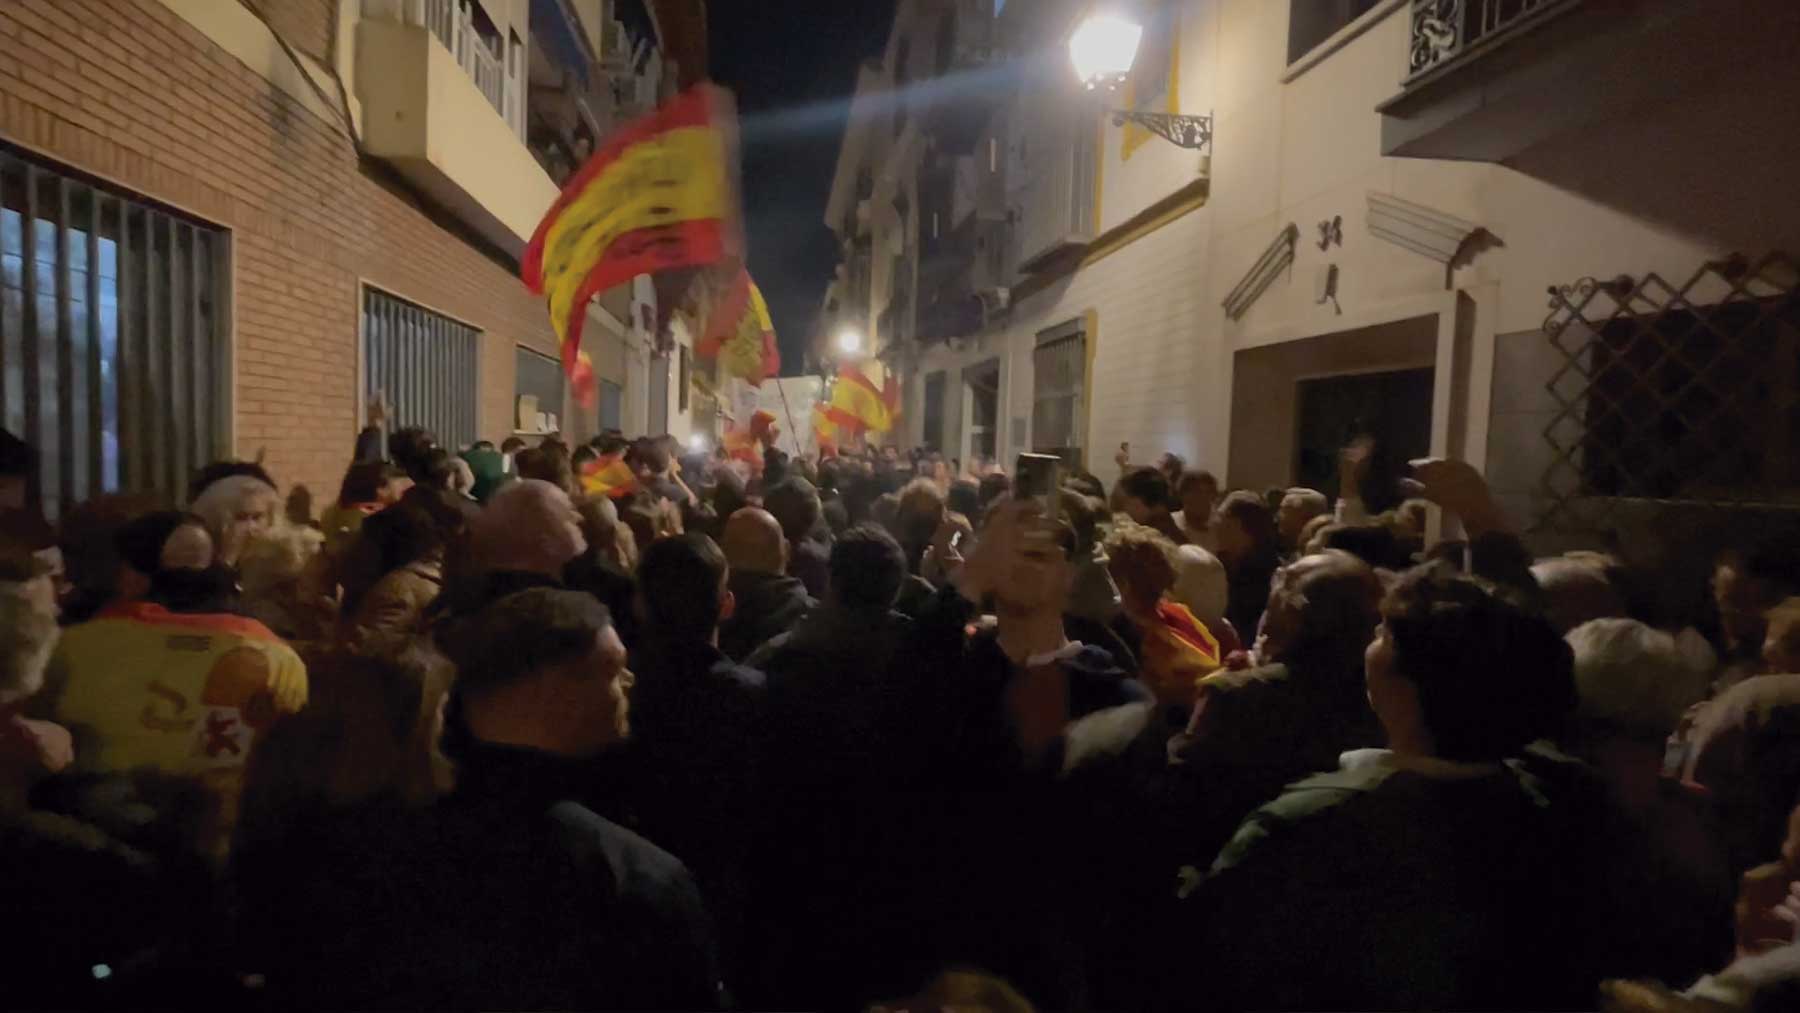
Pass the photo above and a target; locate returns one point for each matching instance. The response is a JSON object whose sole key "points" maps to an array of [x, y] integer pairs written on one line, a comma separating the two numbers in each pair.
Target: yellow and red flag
{"points": [[857, 405], [741, 335], [608, 476], [660, 195]]}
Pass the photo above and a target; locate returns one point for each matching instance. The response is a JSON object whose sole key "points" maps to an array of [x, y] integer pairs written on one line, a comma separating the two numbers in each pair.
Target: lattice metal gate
{"points": [[1674, 395]]}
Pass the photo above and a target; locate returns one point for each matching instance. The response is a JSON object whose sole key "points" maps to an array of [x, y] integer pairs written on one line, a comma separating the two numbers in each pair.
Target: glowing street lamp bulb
{"points": [[1104, 48], [849, 342]]}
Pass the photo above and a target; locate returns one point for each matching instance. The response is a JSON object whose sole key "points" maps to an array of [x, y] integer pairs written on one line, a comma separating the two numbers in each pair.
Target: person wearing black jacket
{"points": [[768, 601]]}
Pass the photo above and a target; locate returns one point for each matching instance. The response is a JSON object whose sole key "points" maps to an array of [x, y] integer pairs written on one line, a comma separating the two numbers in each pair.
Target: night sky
{"points": [[793, 74], [793, 67]]}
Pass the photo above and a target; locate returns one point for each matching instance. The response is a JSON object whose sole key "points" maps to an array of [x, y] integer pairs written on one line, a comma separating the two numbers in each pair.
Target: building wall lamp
{"points": [[1103, 48]]}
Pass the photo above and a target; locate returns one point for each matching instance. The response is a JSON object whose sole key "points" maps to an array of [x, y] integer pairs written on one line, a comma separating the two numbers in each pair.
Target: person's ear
{"points": [[727, 605]]}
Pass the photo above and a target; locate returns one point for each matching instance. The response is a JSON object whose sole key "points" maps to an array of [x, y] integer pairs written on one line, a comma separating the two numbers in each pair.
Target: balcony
{"points": [[1493, 80], [443, 94]]}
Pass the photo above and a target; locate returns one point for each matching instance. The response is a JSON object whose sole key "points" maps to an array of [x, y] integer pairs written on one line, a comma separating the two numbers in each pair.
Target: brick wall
{"points": [[308, 25], [127, 91]]}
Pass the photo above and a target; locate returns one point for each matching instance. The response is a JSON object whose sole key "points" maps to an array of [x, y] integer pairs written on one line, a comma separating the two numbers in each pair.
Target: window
{"points": [[1311, 22], [686, 377], [113, 356], [1695, 404], [539, 377], [1059, 369], [933, 416], [424, 364], [612, 405]]}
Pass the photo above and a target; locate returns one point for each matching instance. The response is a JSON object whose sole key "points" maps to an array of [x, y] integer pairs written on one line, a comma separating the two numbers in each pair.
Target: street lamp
{"points": [[1103, 48], [697, 443], [849, 342]]}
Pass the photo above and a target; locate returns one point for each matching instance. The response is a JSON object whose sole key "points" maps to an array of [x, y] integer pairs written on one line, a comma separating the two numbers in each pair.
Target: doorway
{"points": [[981, 387], [1394, 407]]}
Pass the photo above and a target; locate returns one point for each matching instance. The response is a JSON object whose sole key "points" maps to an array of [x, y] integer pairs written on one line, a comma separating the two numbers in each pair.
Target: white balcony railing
{"points": [[499, 76]]}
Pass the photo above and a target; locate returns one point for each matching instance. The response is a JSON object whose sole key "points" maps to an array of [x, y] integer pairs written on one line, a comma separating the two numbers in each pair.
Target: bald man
{"points": [[769, 602]]}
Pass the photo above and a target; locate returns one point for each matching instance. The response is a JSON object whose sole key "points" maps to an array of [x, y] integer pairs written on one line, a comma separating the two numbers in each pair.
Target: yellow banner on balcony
{"points": [[660, 195]]}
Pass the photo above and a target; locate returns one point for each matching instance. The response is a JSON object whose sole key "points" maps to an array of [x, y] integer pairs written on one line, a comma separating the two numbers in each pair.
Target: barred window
{"points": [[1059, 369], [113, 348], [1696, 405], [424, 363]]}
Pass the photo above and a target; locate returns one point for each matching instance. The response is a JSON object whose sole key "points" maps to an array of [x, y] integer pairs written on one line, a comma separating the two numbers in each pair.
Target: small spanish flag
{"points": [[660, 195], [608, 476], [857, 404], [741, 335]]}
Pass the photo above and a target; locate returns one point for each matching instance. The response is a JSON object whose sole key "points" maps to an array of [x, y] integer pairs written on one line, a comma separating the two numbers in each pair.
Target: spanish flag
{"points": [[660, 195], [608, 476], [740, 334], [857, 405]]}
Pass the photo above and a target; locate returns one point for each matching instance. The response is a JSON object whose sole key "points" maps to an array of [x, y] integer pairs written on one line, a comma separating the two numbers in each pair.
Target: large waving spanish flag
{"points": [[858, 405], [661, 194], [741, 335]]}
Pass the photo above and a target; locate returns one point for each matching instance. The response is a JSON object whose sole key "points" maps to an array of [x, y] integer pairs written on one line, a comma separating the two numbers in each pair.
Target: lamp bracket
{"points": [[1192, 132]]}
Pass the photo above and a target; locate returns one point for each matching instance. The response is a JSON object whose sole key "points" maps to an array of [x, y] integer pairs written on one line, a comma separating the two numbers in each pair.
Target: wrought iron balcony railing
{"points": [[1446, 31]]}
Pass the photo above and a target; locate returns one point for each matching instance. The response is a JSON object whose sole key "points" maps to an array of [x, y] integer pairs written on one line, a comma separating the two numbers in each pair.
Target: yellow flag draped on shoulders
{"points": [[659, 195]]}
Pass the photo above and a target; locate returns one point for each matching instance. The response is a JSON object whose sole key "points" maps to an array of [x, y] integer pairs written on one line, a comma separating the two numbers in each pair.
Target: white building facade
{"points": [[1393, 194]]}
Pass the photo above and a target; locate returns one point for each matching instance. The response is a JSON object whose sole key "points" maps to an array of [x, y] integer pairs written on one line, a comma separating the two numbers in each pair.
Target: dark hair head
{"points": [[610, 442], [649, 453], [795, 504], [139, 542], [682, 579], [18, 459], [482, 445], [402, 534], [363, 482], [728, 493], [965, 497], [1085, 483], [994, 487], [867, 568], [219, 470], [407, 447], [522, 634], [1197, 477], [1492, 675], [1374, 544], [582, 456], [1776, 563], [1146, 485], [546, 463], [512, 444], [1252, 511], [436, 469]]}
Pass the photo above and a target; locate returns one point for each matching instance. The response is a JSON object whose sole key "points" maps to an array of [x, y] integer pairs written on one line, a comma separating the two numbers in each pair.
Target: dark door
{"points": [[1394, 408]]}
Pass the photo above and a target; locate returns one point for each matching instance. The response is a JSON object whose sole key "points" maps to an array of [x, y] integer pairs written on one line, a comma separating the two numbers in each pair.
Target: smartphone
{"points": [[1039, 477]]}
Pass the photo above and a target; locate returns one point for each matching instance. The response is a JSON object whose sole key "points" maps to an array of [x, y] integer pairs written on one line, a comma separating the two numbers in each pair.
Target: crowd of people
{"points": [[612, 726]]}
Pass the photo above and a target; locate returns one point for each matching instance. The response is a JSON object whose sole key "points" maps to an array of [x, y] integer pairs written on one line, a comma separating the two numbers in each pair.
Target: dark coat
{"points": [[507, 894], [694, 764], [768, 604]]}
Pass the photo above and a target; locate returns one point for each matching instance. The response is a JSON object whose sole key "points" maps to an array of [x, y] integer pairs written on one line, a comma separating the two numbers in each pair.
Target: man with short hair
{"points": [[769, 602], [1199, 494], [795, 504], [1143, 495], [1298, 507], [511, 893], [700, 725]]}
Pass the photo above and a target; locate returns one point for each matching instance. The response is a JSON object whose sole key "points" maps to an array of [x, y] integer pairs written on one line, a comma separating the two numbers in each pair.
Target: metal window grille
{"points": [[686, 377], [1443, 30], [933, 417], [424, 364], [112, 336], [1059, 368], [1674, 393]]}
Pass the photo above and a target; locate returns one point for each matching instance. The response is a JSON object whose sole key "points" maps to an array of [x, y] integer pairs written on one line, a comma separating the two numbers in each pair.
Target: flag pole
{"points": [[793, 434]]}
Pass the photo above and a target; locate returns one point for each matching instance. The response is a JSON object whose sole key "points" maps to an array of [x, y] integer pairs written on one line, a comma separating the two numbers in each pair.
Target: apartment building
{"points": [[226, 224], [1483, 228]]}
